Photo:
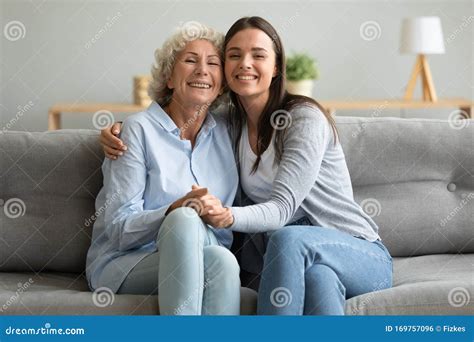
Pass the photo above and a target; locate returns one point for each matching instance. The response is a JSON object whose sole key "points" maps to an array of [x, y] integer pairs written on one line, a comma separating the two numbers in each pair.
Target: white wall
{"points": [[57, 61]]}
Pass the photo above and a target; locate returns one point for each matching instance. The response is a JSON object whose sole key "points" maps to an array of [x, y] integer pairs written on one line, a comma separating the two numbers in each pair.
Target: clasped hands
{"points": [[208, 207]]}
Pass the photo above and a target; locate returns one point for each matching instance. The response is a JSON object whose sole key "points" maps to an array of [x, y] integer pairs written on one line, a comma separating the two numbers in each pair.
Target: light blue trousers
{"points": [[311, 270], [191, 272]]}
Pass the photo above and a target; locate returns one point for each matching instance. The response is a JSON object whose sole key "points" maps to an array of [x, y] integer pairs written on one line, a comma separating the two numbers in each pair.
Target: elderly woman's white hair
{"points": [[165, 58]]}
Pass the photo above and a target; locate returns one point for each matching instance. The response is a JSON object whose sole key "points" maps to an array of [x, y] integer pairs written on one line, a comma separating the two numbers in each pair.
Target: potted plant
{"points": [[301, 71]]}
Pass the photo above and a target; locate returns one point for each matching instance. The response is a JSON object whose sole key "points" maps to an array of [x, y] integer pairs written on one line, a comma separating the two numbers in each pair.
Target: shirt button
{"points": [[451, 187]]}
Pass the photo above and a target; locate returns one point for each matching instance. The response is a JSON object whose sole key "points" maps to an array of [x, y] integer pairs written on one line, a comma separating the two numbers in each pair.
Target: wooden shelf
{"points": [[399, 104], [54, 115], [55, 112]]}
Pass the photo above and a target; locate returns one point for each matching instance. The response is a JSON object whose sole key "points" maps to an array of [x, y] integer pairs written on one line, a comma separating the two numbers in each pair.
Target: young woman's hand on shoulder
{"points": [[112, 145]]}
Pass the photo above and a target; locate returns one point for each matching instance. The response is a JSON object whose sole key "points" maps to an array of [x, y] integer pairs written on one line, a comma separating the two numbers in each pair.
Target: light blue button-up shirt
{"points": [[157, 169]]}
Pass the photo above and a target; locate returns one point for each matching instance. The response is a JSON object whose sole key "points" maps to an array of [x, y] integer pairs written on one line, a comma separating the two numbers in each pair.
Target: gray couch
{"points": [[415, 177]]}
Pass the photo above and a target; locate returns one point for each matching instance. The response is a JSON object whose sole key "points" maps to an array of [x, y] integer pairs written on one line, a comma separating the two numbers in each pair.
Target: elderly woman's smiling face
{"points": [[197, 74]]}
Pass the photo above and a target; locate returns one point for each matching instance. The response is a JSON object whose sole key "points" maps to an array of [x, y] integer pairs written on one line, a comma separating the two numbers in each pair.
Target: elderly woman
{"points": [[151, 236]]}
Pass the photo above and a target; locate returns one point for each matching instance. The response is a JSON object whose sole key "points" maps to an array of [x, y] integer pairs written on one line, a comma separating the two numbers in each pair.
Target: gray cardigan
{"points": [[313, 175]]}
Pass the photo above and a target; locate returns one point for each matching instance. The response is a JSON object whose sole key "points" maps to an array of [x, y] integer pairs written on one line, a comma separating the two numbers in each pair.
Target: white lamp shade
{"points": [[422, 35]]}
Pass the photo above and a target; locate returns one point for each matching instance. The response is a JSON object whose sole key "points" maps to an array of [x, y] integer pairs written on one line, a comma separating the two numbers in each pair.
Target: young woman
{"points": [[146, 240], [321, 248]]}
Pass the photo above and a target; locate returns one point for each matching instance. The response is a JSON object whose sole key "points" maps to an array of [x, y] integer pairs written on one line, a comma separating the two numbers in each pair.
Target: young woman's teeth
{"points": [[200, 85], [247, 78]]}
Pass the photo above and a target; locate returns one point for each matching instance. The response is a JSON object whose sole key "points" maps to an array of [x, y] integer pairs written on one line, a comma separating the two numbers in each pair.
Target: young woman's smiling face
{"points": [[250, 63]]}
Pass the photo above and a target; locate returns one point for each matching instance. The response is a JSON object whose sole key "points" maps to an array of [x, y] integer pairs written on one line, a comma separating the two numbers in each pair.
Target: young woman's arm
{"points": [[304, 146]]}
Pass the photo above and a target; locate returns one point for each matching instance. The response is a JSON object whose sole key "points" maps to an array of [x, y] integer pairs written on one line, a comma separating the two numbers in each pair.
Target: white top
{"points": [[257, 186]]}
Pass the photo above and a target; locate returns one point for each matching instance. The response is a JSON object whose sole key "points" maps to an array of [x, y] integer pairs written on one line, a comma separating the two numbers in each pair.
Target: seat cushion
{"points": [[68, 294], [426, 285]]}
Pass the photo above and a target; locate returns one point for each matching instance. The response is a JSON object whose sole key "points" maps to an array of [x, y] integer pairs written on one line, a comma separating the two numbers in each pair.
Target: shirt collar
{"points": [[208, 124], [168, 124], [163, 118]]}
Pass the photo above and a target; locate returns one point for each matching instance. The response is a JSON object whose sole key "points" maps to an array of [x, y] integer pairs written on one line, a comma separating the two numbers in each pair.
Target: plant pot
{"points": [[303, 87]]}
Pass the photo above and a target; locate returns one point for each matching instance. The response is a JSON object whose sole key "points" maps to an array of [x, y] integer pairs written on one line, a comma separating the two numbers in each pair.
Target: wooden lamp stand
{"points": [[422, 67]]}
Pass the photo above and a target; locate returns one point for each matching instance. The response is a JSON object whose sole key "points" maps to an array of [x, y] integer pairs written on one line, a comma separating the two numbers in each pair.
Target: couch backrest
{"points": [[48, 183], [415, 177]]}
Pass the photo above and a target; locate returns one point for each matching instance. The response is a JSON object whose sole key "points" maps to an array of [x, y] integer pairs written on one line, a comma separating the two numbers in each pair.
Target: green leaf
{"points": [[301, 66]]}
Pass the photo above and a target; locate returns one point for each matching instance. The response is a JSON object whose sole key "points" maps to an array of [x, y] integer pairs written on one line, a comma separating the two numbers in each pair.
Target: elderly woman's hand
{"points": [[112, 145], [190, 200]]}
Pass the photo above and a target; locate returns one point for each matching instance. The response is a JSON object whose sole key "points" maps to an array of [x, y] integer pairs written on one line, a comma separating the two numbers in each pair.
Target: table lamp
{"points": [[423, 36]]}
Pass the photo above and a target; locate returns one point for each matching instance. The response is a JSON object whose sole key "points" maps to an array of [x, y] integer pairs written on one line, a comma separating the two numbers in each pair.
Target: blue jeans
{"points": [[191, 272], [313, 270]]}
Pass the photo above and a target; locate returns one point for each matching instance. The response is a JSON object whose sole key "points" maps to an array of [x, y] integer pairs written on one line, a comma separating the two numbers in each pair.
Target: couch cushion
{"points": [[415, 178], [48, 184], [424, 285], [68, 294]]}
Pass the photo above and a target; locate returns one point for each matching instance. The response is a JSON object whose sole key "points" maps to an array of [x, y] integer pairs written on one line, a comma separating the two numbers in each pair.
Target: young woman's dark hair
{"points": [[279, 99]]}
